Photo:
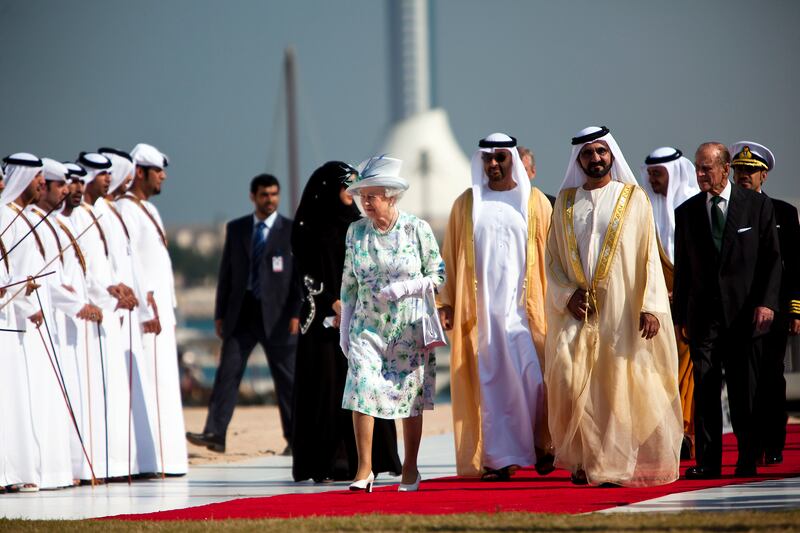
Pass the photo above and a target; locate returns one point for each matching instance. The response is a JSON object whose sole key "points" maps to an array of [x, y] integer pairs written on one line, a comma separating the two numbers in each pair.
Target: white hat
{"points": [[145, 155], [53, 170], [750, 154], [378, 171]]}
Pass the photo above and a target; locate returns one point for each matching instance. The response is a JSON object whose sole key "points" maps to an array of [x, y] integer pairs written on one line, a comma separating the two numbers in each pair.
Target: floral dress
{"points": [[390, 373]]}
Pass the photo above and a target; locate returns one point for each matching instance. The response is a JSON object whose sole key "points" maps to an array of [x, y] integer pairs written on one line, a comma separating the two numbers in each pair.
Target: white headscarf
{"points": [[620, 171], [682, 185], [121, 167], [479, 178], [53, 170], [94, 164], [19, 176], [146, 155]]}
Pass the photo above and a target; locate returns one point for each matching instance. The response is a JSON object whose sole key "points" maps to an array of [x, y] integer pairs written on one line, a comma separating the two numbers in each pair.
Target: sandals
{"points": [[22, 487], [499, 474], [579, 478]]}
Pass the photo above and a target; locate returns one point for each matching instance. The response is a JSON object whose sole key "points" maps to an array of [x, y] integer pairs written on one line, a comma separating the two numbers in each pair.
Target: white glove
{"points": [[403, 289], [344, 328]]}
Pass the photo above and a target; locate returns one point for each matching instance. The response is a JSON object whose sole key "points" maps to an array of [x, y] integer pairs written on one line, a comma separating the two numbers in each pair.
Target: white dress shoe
{"points": [[410, 487], [363, 484]]}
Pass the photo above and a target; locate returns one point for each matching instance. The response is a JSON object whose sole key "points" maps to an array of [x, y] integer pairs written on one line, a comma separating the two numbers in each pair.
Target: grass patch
{"points": [[719, 522]]}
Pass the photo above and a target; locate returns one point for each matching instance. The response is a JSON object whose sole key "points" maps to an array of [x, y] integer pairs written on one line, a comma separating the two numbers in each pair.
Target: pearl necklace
{"points": [[391, 223]]}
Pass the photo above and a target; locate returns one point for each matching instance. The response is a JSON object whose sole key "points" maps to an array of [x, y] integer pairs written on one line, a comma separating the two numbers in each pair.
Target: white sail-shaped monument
{"points": [[433, 163]]}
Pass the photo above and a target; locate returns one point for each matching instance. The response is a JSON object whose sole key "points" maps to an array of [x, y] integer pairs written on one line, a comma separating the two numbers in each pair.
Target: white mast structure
{"points": [[433, 163]]}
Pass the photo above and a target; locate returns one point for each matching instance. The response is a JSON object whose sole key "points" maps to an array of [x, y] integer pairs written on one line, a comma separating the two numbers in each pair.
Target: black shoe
{"points": [[287, 451], [213, 442], [702, 472], [686, 448], [773, 459], [545, 464], [745, 470]]}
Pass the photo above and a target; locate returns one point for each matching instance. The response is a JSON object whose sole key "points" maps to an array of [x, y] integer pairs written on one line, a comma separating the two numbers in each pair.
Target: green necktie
{"points": [[717, 222]]}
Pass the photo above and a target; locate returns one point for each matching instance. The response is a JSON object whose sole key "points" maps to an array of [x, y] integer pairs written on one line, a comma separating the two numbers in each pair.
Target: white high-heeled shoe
{"points": [[410, 487], [363, 484]]}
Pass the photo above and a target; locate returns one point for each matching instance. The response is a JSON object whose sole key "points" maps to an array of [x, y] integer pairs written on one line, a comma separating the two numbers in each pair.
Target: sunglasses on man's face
{"points": [[497, 156]]}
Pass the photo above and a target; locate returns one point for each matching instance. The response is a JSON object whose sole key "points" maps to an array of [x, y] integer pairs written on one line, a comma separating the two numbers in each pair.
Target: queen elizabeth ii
{"points": [[392, 262]]}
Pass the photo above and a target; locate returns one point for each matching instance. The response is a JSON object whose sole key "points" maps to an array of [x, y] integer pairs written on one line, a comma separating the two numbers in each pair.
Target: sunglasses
{"points": [[497, 156]]}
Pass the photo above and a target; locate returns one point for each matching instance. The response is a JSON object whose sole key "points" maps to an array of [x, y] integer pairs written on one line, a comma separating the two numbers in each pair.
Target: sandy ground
{"points": [[256, 432]]}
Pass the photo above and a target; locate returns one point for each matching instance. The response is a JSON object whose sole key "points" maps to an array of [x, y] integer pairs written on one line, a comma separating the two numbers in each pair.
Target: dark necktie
{"points": [[717, 222], [259, 243]]}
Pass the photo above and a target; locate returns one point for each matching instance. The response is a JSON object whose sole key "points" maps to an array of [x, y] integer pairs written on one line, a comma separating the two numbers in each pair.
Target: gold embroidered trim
{"points": [[664, 259], [530, 253], [572, 242], [610, 241], [613, 234]]}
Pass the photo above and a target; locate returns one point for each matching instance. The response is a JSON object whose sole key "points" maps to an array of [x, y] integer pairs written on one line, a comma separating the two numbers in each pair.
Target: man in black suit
{"points": [[727, 279], [258, 301], [751, 164]]}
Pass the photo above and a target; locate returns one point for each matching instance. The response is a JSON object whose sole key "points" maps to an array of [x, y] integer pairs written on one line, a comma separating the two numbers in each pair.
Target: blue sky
{"points": [[201, 80]]}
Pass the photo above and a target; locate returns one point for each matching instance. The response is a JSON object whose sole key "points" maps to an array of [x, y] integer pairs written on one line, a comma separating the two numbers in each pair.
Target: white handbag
{"points": [[432, 333]]}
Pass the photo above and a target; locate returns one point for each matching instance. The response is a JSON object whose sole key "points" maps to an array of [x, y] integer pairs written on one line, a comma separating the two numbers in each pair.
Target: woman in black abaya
{"points": [[323, 445]]}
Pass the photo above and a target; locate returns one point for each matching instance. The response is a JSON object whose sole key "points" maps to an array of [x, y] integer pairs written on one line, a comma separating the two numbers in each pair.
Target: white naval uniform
{"points": [[510, 376], [151, 259]]}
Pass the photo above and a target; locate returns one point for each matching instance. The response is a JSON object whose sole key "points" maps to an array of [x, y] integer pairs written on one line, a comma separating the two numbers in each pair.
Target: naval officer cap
{"points": [[751, 154]]}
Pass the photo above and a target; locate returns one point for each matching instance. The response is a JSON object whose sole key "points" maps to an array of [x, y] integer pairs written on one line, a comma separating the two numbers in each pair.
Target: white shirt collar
{"points": [[725, 194], [269, 221]]}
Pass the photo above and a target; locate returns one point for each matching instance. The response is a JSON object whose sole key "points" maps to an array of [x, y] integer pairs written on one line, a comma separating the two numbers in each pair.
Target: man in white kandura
{"points": [[150, 256], [28, 257], [494, 248], [611, 363]]}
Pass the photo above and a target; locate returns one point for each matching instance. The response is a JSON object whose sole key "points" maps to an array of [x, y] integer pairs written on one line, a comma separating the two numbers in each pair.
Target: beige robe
{"points": [[459, 292], [685, 367], [614, 404]]}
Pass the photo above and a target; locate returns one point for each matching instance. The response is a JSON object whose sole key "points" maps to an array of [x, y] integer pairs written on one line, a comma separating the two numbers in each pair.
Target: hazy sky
{"points": [[202, 80]]}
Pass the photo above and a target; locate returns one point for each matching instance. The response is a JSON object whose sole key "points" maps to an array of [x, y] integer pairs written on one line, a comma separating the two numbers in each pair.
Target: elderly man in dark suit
{"points": [[258, 301], [751, 164], [727, 284]]}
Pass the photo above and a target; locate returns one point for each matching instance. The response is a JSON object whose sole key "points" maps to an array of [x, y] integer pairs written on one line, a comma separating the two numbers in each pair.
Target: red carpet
{"points": [[527, 491]]}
